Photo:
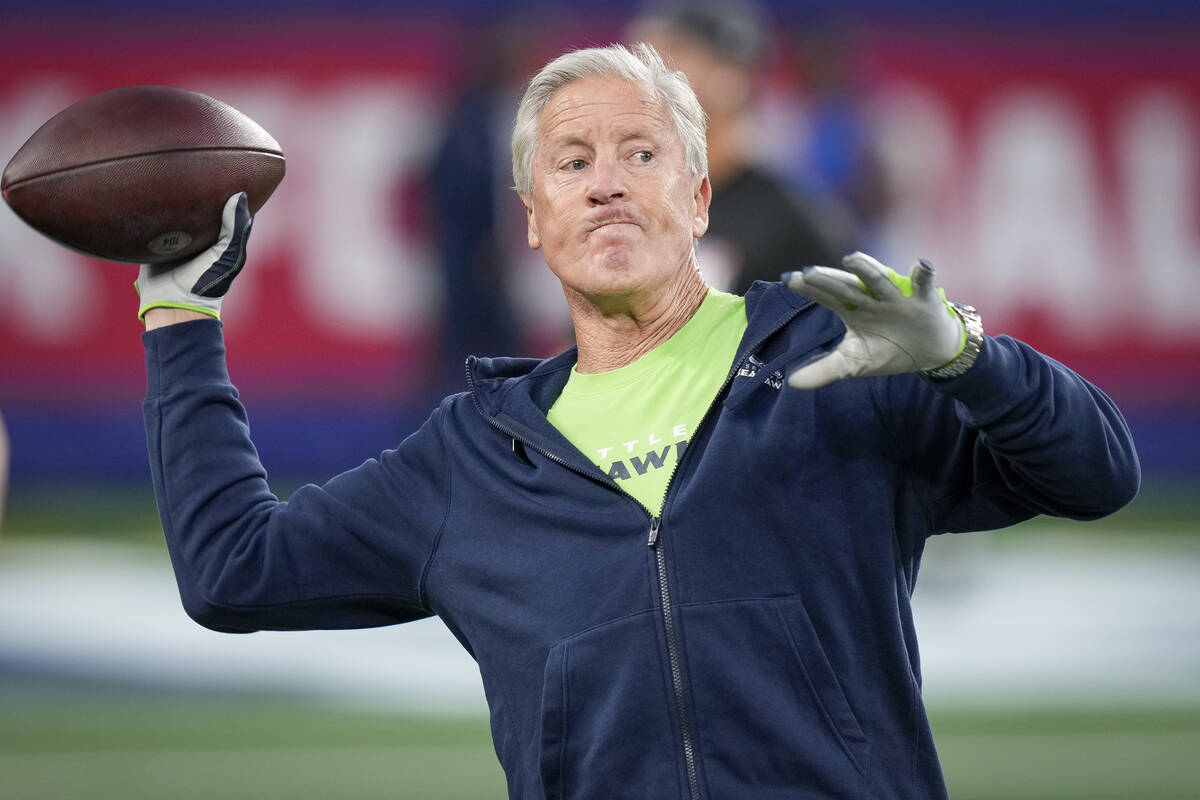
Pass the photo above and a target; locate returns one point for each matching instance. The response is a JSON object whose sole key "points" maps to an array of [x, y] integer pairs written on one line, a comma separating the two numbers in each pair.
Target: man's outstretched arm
{"points": [[349, 553], [1005, 433]]}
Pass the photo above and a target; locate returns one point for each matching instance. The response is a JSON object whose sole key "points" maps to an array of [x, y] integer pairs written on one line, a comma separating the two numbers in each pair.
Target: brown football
{"points": [[140, 174]]}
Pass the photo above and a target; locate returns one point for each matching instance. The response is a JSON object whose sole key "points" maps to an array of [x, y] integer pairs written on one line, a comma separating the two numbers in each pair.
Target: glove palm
{"points": [[894, 324]]}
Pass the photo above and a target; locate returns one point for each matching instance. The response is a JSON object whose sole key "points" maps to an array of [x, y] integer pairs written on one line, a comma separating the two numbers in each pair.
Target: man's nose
{"points": [[608, 183]]}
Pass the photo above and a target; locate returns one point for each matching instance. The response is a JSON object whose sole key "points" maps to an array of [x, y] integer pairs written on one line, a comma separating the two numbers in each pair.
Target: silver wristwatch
{"points": [[973, 324]]}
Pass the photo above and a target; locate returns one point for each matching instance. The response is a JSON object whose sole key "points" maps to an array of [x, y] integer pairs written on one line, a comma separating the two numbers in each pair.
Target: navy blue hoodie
{"points": [[754, 641]]}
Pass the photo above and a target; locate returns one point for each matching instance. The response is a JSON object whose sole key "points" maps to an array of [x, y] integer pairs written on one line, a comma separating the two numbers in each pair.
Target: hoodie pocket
{"points": [[607, 725], [769, 707]]}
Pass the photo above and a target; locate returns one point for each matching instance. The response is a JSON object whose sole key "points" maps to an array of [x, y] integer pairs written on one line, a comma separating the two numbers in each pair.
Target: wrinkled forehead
{"points": [[603, 105]]}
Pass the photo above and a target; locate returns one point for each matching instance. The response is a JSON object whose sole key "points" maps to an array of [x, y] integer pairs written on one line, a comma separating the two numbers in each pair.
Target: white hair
{"points": [[640, 64]]}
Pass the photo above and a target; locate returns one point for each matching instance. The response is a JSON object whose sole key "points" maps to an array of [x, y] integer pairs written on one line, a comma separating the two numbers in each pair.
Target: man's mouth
{"points": [[605, 223]]}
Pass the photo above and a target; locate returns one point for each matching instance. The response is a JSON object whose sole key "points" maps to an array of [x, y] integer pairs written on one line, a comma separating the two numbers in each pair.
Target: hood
{"points": [[511, 386]]}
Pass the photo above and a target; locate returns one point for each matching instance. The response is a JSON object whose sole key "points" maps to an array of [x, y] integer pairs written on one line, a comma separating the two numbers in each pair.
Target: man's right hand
{"points": [[192, 289]]}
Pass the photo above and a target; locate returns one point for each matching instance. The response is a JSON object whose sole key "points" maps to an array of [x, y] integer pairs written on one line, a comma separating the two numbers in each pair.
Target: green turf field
{"points": [[64, 742], [125, 512]]}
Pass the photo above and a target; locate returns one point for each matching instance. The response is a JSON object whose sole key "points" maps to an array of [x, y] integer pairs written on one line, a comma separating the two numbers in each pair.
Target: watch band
{"points": [[973, 325]]}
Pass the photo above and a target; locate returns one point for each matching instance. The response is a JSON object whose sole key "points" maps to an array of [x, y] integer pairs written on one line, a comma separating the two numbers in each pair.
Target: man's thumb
{"points": [[826, 369]]}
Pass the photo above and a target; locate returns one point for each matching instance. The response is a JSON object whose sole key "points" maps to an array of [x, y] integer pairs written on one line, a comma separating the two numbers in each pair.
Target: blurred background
{"points": [[1045, 157]]}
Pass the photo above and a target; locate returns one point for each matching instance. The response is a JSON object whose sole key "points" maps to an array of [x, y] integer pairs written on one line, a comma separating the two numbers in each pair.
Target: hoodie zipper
{"points": [[671, 634], [682, 707]]}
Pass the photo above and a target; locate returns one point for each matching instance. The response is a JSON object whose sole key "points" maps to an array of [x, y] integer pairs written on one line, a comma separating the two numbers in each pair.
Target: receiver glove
{"points": [[894, 324], [199, 283]]}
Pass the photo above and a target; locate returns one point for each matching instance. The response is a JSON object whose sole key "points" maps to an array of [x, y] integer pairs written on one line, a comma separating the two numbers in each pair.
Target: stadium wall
{"points": [[1048, 161]]}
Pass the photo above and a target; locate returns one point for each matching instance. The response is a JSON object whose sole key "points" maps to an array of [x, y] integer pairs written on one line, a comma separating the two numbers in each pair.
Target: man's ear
{"points": [[703, 199], [535, 239]]}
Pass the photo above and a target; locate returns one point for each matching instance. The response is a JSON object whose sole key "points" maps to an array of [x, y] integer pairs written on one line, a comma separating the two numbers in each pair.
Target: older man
{"points": [[681, 577]]}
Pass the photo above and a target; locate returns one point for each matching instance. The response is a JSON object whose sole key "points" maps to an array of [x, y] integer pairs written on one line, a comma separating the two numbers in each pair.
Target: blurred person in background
{"points": [[760, 224], [682, 552], [4, 448], [467, 179], [838, 158]]}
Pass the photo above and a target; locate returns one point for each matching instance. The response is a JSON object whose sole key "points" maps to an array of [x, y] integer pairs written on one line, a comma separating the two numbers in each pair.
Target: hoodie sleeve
{"points": [[347, 554], [1017, 435]]}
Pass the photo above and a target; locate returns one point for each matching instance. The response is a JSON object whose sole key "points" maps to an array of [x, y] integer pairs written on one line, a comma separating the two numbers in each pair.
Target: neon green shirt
{"points": [[634, 422]]}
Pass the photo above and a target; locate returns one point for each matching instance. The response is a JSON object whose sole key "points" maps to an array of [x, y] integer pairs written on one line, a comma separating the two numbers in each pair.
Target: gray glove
{"points": [[199, 283], [894, 324]]}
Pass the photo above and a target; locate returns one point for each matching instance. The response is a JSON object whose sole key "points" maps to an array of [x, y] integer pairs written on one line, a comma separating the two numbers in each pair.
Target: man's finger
{"points": [[824, 370], [835, 289], [235, 230], [921, 277], [877, 278]]}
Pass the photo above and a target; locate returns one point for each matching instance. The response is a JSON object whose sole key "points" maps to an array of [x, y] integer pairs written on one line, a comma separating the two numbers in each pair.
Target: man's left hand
{"points": [[894, 324]]}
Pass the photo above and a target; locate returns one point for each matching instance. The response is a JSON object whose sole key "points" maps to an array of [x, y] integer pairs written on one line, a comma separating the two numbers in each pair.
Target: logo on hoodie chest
{"points": [[635, 457], [751, 369]]}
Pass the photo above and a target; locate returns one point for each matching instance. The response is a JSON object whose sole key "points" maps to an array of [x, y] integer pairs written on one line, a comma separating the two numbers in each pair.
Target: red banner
{"points": [[1058, 179], [1053, 180]]}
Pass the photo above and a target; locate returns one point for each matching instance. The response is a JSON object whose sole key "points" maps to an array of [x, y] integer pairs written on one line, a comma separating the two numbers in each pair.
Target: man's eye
{"points": [[576, 164], [644, 156]]}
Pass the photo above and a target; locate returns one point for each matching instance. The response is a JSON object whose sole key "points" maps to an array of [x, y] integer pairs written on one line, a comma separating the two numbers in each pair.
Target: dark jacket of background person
{"points": [[463, 189], [760, 224], [766, 228], [755, 639]]}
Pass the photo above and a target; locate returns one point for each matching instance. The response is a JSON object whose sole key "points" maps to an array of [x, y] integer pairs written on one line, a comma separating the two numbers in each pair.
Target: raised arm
{"points": [[350, 553]]}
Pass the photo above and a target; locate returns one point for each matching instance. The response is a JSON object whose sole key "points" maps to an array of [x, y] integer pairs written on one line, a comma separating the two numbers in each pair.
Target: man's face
{"points": [[614, 206]]}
